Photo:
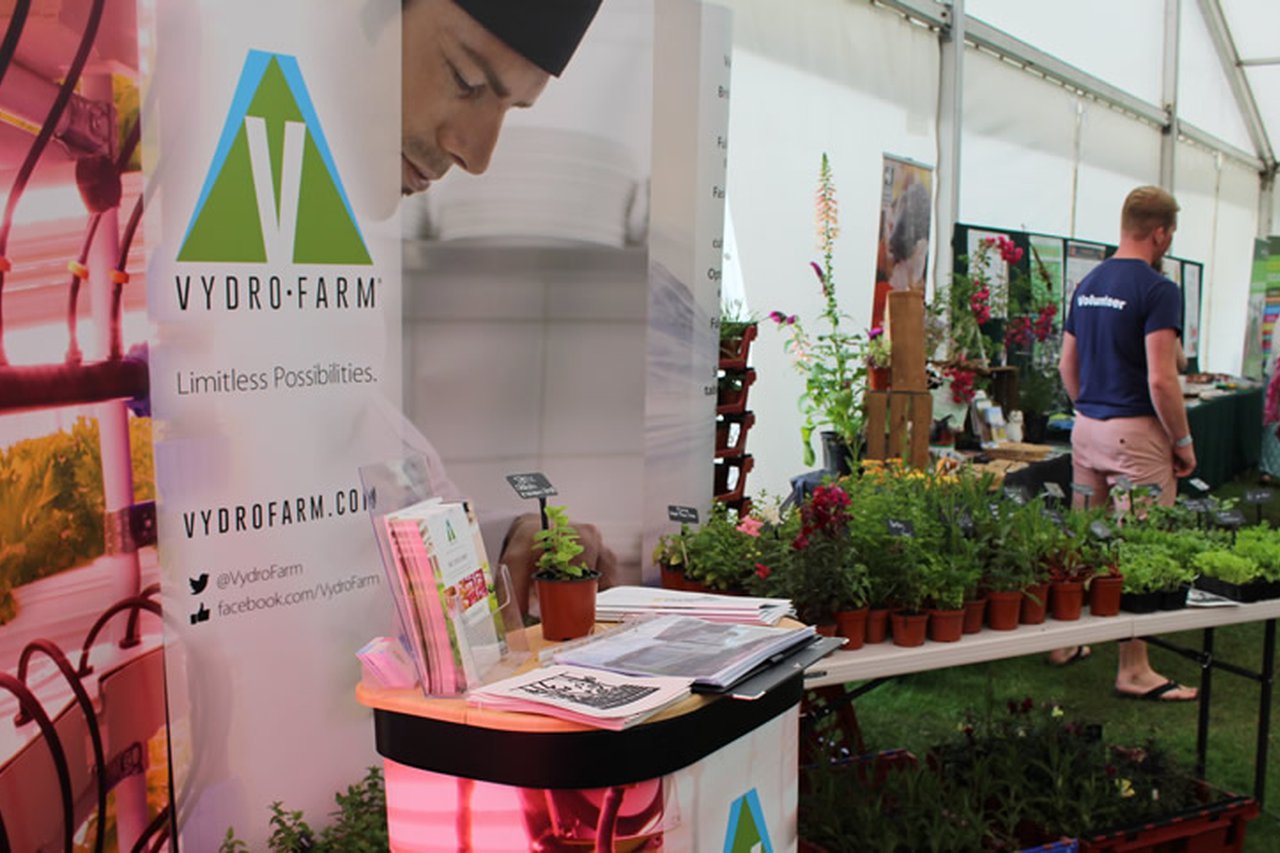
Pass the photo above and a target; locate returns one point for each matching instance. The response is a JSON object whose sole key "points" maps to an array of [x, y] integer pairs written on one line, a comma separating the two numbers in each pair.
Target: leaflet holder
{"points": [[401, 484]]}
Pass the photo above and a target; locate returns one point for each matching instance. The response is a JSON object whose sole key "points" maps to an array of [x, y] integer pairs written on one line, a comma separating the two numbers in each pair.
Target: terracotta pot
{"points": [[852, 625], [878, 378], [1104, 595], [568, 607], [826, 629], [974, 612], [691, 585], [1066, 600], [946, 626], [672, 577], [1002, 610], [1035, 604], [877, 625], [908, 628]]}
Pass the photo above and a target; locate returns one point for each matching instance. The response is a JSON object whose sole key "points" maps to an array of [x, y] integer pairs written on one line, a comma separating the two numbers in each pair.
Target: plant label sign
{"points": [[1153, 489], [1198, 484], [1198, 505], [1100, 530], [1053, 515], [900, 527], [1229, 518], [682, 514], [1053, 490], [1082, 489], [1124, 484], [1258, 497], [1017, 494], [533, 485]]}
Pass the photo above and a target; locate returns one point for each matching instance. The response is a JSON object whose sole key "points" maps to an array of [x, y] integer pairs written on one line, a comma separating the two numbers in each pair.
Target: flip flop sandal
{"points": [[1081, 653], [1156, 694]]}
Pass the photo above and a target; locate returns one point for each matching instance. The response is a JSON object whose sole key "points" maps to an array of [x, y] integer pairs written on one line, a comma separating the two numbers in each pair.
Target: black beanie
{"points": [[545, 32]]}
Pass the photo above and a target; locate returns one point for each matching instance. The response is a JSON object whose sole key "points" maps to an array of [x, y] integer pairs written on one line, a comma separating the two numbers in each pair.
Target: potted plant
{"points": [[566, 587], [722, 552], [851, 607], [831, 360], [822, 554], [738, 328], [1150, 572], [1262, 546], [671, 556], [879, 357], [1039, 393], [1229, 574]]}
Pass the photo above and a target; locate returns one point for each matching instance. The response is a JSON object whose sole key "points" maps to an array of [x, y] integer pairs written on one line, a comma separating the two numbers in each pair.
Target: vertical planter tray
{"points": [[734, 402], [726, 489], [1218, 826], [734, 351], [730, 441]]}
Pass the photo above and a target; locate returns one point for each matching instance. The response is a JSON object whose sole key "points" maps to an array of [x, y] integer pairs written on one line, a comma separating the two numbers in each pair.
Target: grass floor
{"points": [[920, 710]]}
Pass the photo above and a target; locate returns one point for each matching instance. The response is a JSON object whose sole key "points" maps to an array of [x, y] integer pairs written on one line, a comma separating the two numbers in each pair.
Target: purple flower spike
{"points": [[875, 333], [778, 317], [817, 270]]}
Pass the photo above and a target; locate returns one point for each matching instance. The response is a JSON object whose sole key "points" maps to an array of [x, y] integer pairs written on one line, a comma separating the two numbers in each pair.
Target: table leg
{"points": [[1206, 688], [1264, 711]]}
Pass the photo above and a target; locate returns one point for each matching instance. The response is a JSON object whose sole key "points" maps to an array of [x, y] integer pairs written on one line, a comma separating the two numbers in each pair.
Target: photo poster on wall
{"points": [[1251, 364], [77, 533], [1270, 249], [1192, 274], [996, 272], [1082, 258], [906, 210], [273, 282], [1049, 254]]}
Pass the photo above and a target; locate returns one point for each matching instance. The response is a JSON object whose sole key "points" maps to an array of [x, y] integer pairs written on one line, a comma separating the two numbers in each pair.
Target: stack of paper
{"points": [[619, 602], [595, 698], [714, 654]]}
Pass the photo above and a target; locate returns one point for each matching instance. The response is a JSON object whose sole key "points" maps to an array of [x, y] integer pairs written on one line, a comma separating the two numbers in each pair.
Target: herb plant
{"points": [[560, 549]]}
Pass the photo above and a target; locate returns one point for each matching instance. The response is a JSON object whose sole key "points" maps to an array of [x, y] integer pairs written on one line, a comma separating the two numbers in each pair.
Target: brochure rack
{"points": [[470, 632]]}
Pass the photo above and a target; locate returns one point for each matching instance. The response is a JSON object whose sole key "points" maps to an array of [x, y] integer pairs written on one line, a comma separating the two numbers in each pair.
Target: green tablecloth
{"points": [[1228, 434]]}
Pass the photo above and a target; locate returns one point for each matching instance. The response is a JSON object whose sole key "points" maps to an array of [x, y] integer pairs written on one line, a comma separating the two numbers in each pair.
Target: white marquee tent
{"points": [[1045, 119]]}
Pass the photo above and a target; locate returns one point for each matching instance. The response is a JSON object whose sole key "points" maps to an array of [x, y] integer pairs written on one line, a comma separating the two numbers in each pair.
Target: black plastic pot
{"points": [[1173, 599], [1141, 602]]}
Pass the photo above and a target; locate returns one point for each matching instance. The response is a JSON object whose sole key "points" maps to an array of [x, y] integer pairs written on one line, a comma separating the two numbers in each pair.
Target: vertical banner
{"points": [[692, 66], [80, 633], [1269, 250], [1252, 362], [1081, 260], [273, 280], [906, 210]]}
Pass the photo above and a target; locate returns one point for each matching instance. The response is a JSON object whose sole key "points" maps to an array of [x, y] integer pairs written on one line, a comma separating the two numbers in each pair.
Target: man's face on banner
{"points": [[459, 81]]}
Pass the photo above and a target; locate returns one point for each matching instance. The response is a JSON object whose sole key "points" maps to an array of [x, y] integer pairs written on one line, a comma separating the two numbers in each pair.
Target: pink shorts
{"points": [[1136, 448]]}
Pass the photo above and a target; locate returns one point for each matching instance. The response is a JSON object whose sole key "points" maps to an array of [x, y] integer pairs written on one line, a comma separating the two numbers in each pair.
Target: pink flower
{"points": [[763, 571], [782, 319], [750, 526], [875, 333]]}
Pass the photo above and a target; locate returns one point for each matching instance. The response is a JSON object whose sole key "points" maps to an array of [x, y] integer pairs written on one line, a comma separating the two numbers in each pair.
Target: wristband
{"points": [[1185, 441]]}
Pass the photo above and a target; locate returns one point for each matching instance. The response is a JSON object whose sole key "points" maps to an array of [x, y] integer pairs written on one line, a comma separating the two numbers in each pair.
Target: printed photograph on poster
{"points": [[996, 273], [1191, 307], [525, 283], [1050, 254], [1081, 260], [906, 207], [77, 522], [1259, 286]]}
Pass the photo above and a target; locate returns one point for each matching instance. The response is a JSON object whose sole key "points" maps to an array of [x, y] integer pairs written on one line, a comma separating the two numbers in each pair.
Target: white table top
{"points": [[885, 659]]}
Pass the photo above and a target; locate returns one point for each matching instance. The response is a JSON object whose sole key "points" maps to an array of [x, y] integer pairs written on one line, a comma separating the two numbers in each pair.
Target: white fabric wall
{"points": [[824, 75], [1117, 153], [1204, 96]]}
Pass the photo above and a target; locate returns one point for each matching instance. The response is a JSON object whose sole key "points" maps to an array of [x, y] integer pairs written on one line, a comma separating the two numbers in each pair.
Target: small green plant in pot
{"points": [[671, 557], [1150, 571], [566, 587]]}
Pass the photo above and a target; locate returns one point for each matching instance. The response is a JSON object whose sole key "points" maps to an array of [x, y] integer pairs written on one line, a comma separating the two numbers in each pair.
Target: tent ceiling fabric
{"points": [[1254, 25]]}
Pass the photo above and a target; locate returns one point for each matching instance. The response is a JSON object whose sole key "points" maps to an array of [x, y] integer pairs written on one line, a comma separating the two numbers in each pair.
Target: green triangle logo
{"points": [[273, 194], [747, 832]]}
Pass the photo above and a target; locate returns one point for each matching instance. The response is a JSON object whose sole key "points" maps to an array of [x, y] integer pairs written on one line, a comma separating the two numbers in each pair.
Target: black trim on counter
{"points": [[580, 759]]}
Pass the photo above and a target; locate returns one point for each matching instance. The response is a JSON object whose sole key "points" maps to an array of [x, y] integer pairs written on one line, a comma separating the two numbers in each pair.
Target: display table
{"points": [[697, 776], [1228, 434], [885, 660]]}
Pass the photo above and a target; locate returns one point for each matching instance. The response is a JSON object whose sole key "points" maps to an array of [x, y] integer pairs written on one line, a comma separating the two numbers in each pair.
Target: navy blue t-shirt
{"points": [[1115, 307]]}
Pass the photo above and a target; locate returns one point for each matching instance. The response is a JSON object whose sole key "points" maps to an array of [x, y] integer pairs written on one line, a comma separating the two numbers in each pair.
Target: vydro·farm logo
{"points": [[273, 194]]}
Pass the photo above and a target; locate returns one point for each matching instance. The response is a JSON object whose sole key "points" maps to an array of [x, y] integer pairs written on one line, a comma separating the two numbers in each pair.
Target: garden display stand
{"points": [[898, 420]]}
